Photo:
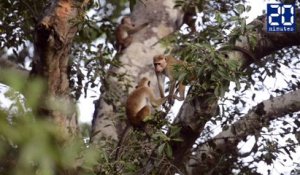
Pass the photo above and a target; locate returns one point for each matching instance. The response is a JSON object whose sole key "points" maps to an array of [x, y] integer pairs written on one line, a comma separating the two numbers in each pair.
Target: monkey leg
{"points": [[181, 91], [127, 42], [143, 114], [179, 98], [171, 99]]}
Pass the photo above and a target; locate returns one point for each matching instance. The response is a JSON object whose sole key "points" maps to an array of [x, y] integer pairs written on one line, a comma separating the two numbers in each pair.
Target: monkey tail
{"points": [[121, 141]]}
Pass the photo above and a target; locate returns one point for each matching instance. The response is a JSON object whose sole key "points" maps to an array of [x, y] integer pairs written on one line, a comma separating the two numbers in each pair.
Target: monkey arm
{"points": [[171, 92], [156, 102], [181, 91], [127, 42], [160, 87], [172, 87]]}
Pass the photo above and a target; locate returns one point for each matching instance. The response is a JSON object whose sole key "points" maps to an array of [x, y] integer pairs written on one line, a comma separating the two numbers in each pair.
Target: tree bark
{"points": [[208, 154], [54, 34], [137, 63]]}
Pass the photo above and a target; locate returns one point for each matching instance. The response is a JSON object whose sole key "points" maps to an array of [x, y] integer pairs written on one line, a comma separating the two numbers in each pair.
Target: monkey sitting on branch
{"points": [[164, 65], [138, 109], [124, 32], [138, 103]]}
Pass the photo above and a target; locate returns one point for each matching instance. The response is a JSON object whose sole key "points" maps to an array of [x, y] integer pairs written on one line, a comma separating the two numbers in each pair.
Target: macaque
{"points": [[137, 105], [164, 65], [190, 17], [138, 109], [124, 32]]}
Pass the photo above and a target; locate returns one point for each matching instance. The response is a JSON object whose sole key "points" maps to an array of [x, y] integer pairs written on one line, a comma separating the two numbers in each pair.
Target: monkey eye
{"points": [[149, 83], [156, 64]]}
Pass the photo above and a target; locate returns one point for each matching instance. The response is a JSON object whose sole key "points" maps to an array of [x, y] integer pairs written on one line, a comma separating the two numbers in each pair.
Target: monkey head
{"points": [[144, 82], [127, 20], [160, 63]]}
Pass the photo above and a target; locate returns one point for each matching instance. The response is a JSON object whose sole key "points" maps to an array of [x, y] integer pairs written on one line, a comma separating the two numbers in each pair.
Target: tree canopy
{"points": [[240, 116]]}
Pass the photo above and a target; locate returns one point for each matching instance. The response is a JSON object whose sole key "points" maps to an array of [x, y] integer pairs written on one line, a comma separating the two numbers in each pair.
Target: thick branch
{"points": [[7, 65], [226, 141], [197, 111], [269, 42]]}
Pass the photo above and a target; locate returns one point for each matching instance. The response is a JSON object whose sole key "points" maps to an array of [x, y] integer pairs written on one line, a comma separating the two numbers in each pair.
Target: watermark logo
{"points": [[281, 18]]}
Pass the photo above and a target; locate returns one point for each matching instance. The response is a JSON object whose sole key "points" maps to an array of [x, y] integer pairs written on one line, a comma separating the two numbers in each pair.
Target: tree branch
{"points": [[7, 65], [258, 117], [196, 111]]}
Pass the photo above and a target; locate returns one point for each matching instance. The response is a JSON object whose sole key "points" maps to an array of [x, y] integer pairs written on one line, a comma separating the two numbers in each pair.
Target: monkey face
{"points": [[159, 66], [159, 63], [126, 20]]}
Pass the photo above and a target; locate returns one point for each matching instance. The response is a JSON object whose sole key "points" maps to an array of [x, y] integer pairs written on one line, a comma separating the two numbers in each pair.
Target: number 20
{"points": [[281, 11]]}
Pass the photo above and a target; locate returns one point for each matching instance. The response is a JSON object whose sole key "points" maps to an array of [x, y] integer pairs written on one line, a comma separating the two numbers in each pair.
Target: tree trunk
{"points": [[137, 63], [54, 34]]}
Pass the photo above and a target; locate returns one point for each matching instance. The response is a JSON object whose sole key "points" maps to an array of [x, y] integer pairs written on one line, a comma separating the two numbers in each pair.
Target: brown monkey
{"points": [[137, 105], [124, 31], [164, 65], [189, 17], [138, 108]]}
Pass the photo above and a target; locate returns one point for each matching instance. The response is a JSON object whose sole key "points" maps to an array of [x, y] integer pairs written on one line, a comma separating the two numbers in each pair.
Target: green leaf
{"points": [[216, 91], [169, 150], [174, 131], [233, 64], [238, 85], [240, 8], [178, 140], [219, 18], [161, 149], [243, 26], [248, 8], [222, 91], [234, 18], [160, 135]]}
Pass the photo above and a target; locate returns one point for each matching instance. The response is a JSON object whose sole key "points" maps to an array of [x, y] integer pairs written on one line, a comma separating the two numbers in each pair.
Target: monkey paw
{"points": [[147, 118], [171, 100]]}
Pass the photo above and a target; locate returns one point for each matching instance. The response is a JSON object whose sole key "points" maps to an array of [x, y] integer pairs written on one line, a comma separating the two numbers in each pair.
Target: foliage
{"points": [[17, 21], [154, 145], [30, 145], [216, 75], [212, 71]]}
